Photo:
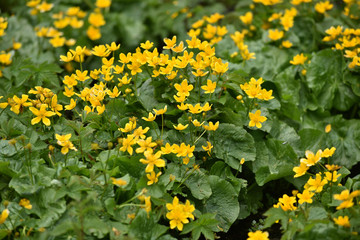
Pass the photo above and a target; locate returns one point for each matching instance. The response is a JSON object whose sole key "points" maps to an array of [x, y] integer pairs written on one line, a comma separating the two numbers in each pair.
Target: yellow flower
{"points": [[299, 59], [152, 160], [113, 94], [194, 109], [68, 58], [153, 178], [113, 47], [4, 215], [147, 204], [147, 45], [41, 115], [25, 203], [209, 87], [179, 48], [167, 149], [184, 88], [212, 126], [131, 125], [247, 18], [332, 176], [180, 127], [57, 41], [70, 81], [150, 118], [96, 19], [179, 213], [322, 7], [170, 43], [316, 184], [71, 106], [69, 91], [347, 198], [44, 6], [305, 196], [342, 221], [258, 235], [145, 145], [103, 3], [275, 34], [328, 152], [64, 141], [286, 44], [256, 119], [127, 143], [160, 111], [300, 170], [311, 158], [287, 203], [19, 103], [118, 182], [100, 51], [197, 123], [208, 147]]}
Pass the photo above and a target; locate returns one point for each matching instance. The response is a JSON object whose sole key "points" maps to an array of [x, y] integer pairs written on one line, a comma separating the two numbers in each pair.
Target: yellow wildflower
{"points": [[256, 119]]}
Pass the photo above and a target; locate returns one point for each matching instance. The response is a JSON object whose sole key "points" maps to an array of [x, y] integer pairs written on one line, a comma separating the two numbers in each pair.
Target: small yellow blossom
{"points": [[256, 119], [275, 34], [25, 203], [342, 221], [258, 235], [180, 127], [118, 182], [298, 59]]}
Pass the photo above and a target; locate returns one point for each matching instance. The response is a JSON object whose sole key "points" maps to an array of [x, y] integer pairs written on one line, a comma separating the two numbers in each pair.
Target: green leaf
{"points": [[3, 233], [223, 201], [144, 227], [325, 79], [128, 165], [199, 185], [206, 224], [147, 95], [231, 143], [317, 213], [5, 170], [276, 162], [275, 214]]}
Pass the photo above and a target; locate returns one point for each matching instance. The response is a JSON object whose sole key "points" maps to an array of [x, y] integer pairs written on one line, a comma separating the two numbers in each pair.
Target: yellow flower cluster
{"points": [[44, 105], [348, 41], [209, 31], [3, 26], [6, 56], [347, 198], [322, 7], [268, 2], [179, 213], [39, 6], [238, 38], [253, 90], [65, 143], [312, 159], [25, 203], [286, 20], [258, 235], [314, 184]]}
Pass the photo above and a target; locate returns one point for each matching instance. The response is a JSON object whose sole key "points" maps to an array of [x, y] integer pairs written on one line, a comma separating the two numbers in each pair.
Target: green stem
{"points": [[200, 136], [30, 168], [182, 181], [162, 126]]}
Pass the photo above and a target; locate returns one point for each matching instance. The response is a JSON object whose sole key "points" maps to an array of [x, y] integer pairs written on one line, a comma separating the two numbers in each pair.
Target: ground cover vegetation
{"points": [[179, 119]]}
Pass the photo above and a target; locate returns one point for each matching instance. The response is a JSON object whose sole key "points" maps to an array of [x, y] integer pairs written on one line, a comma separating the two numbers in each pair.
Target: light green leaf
{"points": [[231, 143], [223, 201]]}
